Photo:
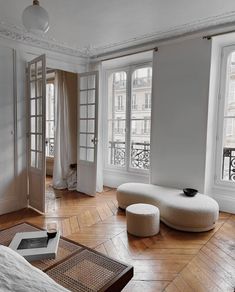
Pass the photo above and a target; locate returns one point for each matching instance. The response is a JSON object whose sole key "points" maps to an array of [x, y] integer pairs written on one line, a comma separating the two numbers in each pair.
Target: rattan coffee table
{"points": [[77, 267]]}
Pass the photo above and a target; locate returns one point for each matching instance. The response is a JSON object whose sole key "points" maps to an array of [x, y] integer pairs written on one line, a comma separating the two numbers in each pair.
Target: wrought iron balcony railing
{"points": [[137, 83], [139, 152], [140, 157], [228, 167], [142, 82], [50, 142]]}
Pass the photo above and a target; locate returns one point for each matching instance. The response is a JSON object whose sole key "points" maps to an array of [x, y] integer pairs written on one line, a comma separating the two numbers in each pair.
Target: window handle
{"points": [[94, 141]]}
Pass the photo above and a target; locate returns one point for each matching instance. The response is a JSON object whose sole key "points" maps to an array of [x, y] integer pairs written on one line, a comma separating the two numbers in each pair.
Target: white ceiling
{"points": [[98, 24]]}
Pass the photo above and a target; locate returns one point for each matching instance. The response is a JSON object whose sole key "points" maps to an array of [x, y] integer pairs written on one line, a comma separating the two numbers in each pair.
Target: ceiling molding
{"points": [[15, 33]]}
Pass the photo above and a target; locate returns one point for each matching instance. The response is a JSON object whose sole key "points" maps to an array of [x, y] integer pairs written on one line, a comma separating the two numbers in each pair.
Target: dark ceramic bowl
{"points": [[51, 233], [190, 192]]}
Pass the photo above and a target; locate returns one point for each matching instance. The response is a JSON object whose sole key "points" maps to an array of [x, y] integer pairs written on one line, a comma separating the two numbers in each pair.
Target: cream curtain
{"points": [[66, 130]]}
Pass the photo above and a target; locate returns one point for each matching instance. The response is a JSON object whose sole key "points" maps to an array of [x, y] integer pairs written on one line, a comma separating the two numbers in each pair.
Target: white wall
{"points": [[7, 181], [20, 137], [181, 74]]}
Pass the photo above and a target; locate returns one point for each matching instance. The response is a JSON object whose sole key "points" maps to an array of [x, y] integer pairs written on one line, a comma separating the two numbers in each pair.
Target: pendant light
{"points": [[35, 18]]}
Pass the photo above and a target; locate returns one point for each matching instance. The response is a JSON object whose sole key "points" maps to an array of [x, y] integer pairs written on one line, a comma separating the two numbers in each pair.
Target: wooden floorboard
{"points": [[170, 261]]}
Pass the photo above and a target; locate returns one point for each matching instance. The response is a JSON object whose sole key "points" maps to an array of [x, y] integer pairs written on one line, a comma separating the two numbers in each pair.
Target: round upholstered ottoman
{"points": [[142, 220]]}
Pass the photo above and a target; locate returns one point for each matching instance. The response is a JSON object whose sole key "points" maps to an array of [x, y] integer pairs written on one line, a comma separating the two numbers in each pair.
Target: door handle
{"points": [[94, 141]]}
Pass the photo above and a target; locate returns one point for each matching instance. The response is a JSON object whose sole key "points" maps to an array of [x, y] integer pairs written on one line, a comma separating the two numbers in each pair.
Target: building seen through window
{"points": [[50, 119]]}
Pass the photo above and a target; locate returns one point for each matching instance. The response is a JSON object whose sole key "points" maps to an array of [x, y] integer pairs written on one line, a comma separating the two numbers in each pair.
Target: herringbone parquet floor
{"points": [[170, 261]]}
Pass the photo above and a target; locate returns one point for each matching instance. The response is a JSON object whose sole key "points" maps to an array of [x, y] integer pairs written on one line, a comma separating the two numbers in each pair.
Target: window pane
{"points": [[228, 171], [32, 125], [39, 106], [83, 140], [83, 97], [82, 154], [32, 107], [90, 155], [32, 71], [33, 159], [39, 88], [91, 81], [91, 96], [83, 111], [39, 125], [91, 126], [90, 140], [117, 145], [39, 69], [117, 118], [83, 83], [83, 125], [32, 89], [39, 142], [33, 142], [91, 111], [140, 118], [39, 160]]}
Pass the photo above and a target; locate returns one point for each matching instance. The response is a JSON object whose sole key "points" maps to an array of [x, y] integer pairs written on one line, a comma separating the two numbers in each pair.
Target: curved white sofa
{"points": [[195, 214]]}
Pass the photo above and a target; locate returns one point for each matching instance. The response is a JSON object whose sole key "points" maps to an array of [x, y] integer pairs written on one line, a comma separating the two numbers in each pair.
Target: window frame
{"points": [[220, 132], [129, 70]]}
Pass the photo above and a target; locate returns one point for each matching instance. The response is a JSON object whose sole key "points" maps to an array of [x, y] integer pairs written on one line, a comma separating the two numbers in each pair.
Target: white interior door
{"points": [[36, 149], [87, 132]]}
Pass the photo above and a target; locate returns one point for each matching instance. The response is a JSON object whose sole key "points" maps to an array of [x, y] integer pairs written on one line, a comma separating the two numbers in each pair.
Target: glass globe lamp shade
{"points": [[35, 18]]}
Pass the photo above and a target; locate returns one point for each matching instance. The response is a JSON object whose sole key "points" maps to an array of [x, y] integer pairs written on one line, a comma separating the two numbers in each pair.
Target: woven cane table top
{"points": [[77, 267], [86, 271]]}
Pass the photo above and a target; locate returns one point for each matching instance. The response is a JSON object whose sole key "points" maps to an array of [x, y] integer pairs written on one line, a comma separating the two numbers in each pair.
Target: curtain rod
{"points": [[208, 37], [155, 49], [49, 70]]}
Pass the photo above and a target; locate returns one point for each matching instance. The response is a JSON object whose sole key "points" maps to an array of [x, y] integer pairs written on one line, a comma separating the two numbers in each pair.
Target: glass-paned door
{"points": [[87, 133], [36, 149], [140, 118], [129, 118]]}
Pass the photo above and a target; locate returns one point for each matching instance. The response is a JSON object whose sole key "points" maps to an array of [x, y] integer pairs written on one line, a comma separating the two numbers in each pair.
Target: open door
{"points": [[87, 132], [36, 132]]}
